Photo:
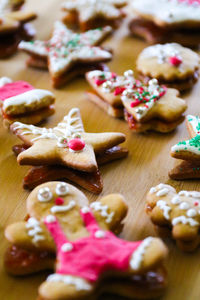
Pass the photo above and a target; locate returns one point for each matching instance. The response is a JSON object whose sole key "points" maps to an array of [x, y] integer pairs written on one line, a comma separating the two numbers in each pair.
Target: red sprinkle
{"points": [[100, 81], [76, 144], [59, 201], [119, 90], [196, 203], [135, 103], [175, 61]]}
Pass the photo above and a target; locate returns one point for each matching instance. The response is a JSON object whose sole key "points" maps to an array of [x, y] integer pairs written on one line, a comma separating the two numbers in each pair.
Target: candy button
{"points": [[175, 61], [76, 144], [59, 201]]}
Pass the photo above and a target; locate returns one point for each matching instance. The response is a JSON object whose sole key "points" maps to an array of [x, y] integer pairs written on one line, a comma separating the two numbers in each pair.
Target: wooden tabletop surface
{"points": [[147, 165]]}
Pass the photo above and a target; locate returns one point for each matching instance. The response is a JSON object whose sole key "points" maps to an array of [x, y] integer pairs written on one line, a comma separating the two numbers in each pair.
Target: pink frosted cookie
{"points": [[62, 226], [20, 101]]}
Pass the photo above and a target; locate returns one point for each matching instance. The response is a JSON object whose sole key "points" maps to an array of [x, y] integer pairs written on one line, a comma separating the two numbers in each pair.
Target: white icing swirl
{"points": [[34, 230], [103, 209], [137, 256], [79, 283]]}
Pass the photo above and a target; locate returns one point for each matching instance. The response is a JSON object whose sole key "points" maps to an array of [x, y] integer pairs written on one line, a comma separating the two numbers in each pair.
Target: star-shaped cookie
{"points": [[13, 26], [188, 151], [93, 13], [66, 50], [66, 145], [85, 245], [176, 213]]}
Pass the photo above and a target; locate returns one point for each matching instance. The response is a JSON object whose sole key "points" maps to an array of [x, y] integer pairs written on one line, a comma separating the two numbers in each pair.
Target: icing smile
{"points": [[63, 208]]}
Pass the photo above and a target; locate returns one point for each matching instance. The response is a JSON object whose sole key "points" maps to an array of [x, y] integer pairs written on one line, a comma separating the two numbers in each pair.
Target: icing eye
{"points": [[62, 189], [44, 194]]}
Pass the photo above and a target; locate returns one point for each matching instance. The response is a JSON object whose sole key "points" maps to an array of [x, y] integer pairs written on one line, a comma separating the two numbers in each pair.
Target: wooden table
{"points": [[147, 165]]}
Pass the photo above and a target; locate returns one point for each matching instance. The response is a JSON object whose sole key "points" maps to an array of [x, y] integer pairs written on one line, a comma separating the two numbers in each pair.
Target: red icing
{"points": [[91, 256], [99, 82], [175, 61], [76, 144], [135, 103], [13, 89], [59, 201], [119, 90]]}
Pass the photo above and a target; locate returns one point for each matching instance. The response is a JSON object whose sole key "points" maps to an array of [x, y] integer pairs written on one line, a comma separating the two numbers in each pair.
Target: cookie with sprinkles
{"points": [[88, 14], [188, 152], [171, 64], [68, 54], [170, 21], [66, 151], [63, 228], [20, 101], [14, 26], [175, 214]]}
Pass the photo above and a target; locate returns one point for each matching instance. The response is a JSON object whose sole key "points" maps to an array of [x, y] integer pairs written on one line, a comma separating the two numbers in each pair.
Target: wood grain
{"points": [[147, 165]]}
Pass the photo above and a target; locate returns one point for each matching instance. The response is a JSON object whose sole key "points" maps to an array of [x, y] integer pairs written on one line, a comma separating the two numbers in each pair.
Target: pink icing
{"points": [[13, 89], [190, 1], [91, 256]]}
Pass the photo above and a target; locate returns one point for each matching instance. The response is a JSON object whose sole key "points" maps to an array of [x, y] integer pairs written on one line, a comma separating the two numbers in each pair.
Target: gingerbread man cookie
{"points": [[88, 14], [61, 221], [69, 146], [188, 152], [14, 26], [20, 101], [67, 49], [167, 21], [171, 64], [178, 213]]}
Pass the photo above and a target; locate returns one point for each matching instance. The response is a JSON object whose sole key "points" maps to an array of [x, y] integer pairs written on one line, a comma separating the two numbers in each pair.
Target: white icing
{"points": [[85, 209], [62, 189], [162, 52], [27, 98], [89, 9], [137, 256], [184, 220], [162, 192], [50, 219], [164, 207], [4, 81], [175, 200], [44, 194], [192, 194], [191, 213], [103, 209], [63, 130], [152, 190], [34, 230], [67, 247], [162, 189], [79, 283], [169, 11], [63, 208], [184, 205], [99, 234]]}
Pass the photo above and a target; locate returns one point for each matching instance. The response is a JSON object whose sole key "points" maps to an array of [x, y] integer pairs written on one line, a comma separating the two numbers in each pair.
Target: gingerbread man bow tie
{"points": [[61, 218]]}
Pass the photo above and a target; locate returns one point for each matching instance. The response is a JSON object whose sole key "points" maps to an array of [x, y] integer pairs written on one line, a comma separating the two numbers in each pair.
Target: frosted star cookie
{"points": [[171, 64], [88, 14], [66, 151], [68, 54], [167, 21], [175, 213], [63, 227], [14, 26], [188, 152], [20, 101]]}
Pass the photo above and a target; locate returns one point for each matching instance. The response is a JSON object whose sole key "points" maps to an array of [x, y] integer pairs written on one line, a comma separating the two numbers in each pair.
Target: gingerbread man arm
{"points": [[30, 235], [110, 211]]}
